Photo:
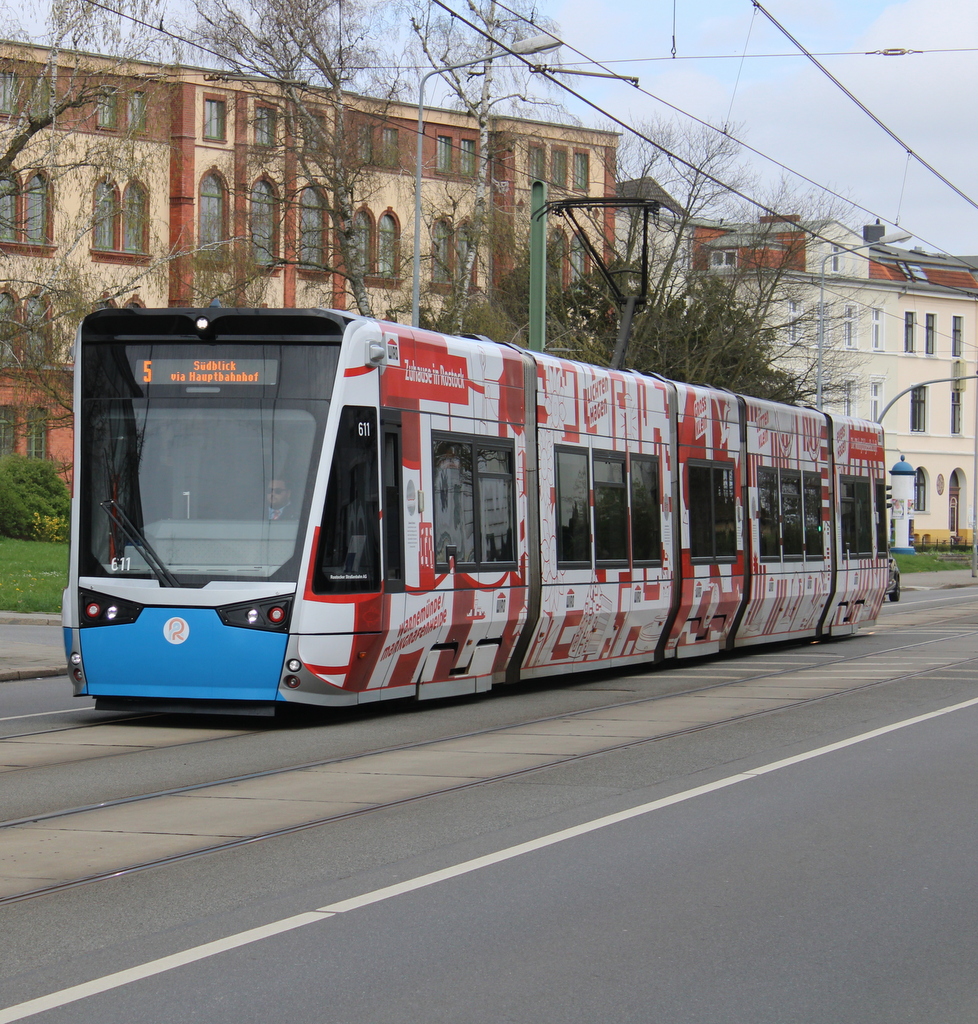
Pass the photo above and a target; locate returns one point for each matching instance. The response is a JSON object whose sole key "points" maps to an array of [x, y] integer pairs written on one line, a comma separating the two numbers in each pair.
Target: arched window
{"points": [[35, 329], [36, 214], [362, 248], [8, 326], [312, 222], [441, 252], [212, 203], [263, 223], [463, 246], [954, 505], [106, 210], [557, 256], [920, 490], [8, 210], [387, 246], [578, 259], [135, 219]]}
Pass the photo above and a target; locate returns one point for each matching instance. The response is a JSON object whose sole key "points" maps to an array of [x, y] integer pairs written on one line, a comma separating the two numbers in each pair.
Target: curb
{"points": [[13, 675], [29, 619], [942, 586]]}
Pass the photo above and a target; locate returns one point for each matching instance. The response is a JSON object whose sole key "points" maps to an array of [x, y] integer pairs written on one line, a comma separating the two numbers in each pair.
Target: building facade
{"points": [[173, 186], [881, 322]]}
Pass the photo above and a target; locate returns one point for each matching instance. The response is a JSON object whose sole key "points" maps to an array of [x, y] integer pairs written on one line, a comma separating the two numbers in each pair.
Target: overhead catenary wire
{"points": [[546, 73], [160, 28], [875, 214], [862, 106]]}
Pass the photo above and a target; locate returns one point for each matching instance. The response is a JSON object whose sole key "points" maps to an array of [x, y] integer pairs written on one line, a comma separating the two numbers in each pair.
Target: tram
{"points": [[311, 506]]}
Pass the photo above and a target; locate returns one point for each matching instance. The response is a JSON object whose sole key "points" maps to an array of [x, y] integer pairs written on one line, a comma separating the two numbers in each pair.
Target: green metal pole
{"points": [[538, 267]]}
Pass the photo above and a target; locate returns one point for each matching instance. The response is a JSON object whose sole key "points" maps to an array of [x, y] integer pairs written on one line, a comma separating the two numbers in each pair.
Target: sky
{"points": [[733, 66]]}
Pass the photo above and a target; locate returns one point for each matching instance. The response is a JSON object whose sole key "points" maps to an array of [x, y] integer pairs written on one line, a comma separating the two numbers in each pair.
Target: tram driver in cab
{"points": [[280, 500]]}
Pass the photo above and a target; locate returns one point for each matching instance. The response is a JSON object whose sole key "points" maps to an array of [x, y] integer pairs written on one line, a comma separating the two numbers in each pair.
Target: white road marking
{"points": [[64, 997], [41, 714]]}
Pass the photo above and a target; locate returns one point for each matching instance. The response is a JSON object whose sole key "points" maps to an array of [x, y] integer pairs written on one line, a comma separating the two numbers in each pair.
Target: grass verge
{"points": [[33, 574], [930, 563]]}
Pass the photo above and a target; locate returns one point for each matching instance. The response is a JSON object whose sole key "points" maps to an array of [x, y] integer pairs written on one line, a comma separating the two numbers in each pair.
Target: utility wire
{"points": [[862, 106], [551, 77], [674, 156], [723, 131]]}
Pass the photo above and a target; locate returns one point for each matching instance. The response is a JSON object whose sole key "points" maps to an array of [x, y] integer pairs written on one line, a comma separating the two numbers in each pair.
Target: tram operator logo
{"points": [[176, 630]]}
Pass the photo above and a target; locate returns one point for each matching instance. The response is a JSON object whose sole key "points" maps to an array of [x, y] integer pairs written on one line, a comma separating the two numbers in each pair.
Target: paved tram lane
{"points": [[677, 893], [834, 887], [41, 851]]}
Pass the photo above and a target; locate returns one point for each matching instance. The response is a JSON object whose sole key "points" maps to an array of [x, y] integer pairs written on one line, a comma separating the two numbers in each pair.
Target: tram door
{"points": [[393, 499]]}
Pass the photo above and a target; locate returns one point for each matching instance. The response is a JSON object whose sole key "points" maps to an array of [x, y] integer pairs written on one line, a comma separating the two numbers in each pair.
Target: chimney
{"points": [[873, 232]]}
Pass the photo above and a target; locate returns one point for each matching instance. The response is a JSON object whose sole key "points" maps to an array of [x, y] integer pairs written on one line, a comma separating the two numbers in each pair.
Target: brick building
{"points": [[171, 186]]}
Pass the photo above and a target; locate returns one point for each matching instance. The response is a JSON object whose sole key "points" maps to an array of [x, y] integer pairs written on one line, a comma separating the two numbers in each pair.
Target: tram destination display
{"points": [[189, 370]]}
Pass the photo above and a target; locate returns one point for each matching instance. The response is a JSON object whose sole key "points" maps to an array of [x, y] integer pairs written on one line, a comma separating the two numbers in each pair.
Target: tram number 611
{"points": [[121, 564], [364, 429]]}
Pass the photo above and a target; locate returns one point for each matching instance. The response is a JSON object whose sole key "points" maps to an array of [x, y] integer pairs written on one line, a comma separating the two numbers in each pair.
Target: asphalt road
{"points": [[837, 888]]}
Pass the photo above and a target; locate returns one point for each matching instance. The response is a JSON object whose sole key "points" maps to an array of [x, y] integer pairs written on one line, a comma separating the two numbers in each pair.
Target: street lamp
{"points": [[533, 44], [889, 239]]}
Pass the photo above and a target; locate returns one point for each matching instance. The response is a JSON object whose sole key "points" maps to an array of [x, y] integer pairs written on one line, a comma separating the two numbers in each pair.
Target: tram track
{"points": [[369, 765], [195, 738]]}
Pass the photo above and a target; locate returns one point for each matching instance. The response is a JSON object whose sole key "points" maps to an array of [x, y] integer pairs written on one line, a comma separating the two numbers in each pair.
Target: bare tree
{"points": [[481, 88], [314, 54], [730, 297], [76, 166]]}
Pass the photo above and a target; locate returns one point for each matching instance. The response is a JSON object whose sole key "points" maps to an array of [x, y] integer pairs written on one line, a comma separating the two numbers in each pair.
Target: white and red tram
{"points": [[459, 514]]}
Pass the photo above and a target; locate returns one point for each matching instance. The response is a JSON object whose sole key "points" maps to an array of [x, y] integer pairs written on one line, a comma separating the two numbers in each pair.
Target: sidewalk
{"points": [[31, 645], [949, 579]]}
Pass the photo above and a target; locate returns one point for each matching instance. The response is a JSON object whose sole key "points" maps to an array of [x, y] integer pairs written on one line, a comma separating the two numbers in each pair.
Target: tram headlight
{"points": [[75, 658], [100, 610], [293, 664], [272, 614], [202, 323]]}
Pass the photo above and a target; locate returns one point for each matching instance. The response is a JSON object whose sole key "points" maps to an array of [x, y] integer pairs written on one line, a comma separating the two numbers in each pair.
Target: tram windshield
{"points": [[193, 475]]}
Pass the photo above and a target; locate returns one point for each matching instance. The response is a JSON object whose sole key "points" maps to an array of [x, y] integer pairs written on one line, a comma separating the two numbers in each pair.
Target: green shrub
{"points": [[31, 493], [52, 529]]}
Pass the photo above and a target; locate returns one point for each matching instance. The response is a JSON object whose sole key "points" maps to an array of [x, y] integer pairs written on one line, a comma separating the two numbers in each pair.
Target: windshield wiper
{"points": [[119, 518]]}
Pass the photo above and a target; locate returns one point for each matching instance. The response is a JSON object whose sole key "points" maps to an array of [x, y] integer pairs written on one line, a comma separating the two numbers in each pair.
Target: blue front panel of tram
{"points": [[182, 652]]}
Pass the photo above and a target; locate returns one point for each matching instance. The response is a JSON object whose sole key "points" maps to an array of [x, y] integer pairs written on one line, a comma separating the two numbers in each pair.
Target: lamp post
{"points": [[533, 44], [888, 239]]}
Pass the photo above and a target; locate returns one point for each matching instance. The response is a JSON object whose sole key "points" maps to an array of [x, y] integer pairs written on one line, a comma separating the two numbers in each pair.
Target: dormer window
{"points": [[723, 258]]}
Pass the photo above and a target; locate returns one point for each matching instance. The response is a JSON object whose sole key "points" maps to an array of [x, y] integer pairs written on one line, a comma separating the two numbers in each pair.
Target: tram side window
{"points": [[857, 517], [792, 535], [768, 512], [646, 515], [495, 474], [454, 511], [789, 509], [814, 545], [712, 515], [474, 517], [610, 509], [573, 516], [349, 551]]}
